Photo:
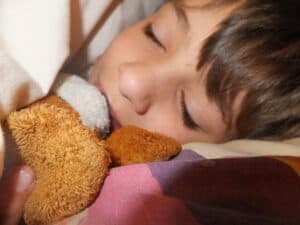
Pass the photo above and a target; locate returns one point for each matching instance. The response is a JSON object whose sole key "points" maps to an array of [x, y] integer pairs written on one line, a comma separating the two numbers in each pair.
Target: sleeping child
{"points": [[209, 71]]}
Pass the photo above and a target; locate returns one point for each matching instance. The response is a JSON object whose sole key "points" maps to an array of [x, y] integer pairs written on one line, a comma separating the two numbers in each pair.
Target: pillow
{"points": [[246, 148]]}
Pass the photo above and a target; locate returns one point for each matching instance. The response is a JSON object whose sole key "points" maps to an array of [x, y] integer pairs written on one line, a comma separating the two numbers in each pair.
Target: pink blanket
{"points": [[190, 190]]}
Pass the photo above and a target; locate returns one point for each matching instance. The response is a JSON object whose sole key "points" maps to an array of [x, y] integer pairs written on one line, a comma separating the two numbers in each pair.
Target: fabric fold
{"points": [[36, 35]]}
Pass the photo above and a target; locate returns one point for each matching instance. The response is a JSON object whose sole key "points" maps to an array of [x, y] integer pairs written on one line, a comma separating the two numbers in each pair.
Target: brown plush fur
{"points": [[136, 145], [70, 161]]}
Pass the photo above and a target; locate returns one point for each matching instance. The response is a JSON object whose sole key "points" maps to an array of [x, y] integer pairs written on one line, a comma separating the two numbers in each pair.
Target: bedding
{"points": [[191, 189]]}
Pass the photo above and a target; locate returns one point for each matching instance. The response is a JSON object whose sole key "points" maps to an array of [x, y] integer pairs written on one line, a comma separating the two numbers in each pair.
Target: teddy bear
{"points": [[66, 139]]}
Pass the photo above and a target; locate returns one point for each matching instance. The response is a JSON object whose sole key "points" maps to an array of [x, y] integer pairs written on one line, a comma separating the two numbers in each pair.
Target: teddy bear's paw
{"points": [[131, 144], [69, 160]]}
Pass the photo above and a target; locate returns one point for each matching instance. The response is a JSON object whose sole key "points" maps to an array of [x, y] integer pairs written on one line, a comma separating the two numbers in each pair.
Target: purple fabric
{"points": [[233, 191], [190, 190]]}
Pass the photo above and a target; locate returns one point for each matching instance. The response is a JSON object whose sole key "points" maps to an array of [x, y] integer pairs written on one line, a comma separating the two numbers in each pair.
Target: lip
{"points": [[115, 123]]}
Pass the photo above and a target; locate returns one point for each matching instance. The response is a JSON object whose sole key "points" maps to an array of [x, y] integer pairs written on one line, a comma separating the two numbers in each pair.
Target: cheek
{"points": [[179, 133], [118, 52], [168, 125], [123, 45]]}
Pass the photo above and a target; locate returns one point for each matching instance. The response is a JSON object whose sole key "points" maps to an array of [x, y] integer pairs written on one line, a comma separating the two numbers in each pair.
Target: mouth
{"points": [[114, 122]]}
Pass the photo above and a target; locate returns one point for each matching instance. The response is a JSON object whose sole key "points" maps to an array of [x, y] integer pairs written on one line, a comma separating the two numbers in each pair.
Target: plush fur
{"points": [[70, 160], [135, 145]]}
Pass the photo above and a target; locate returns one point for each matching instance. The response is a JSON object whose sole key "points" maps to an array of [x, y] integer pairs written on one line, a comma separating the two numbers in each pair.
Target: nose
{"points": [[137, 85]]}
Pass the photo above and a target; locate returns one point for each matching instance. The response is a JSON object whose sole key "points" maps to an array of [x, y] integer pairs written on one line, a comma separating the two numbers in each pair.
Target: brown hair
{"points": [[257, 49]]}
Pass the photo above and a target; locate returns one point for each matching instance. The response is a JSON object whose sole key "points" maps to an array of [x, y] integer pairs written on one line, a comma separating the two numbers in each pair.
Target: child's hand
{"points": [[13, 194]]}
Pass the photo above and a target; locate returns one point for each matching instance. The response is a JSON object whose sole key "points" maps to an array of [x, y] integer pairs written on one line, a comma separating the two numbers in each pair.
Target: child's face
{"points": [[150, 78]]}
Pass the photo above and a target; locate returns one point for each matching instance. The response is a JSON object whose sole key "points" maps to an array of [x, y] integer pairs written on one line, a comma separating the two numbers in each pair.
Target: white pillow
{"points": [[246, 148]]}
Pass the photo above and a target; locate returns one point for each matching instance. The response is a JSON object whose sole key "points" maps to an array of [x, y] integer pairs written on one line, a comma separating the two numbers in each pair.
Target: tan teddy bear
{"points": [[61, 138]]}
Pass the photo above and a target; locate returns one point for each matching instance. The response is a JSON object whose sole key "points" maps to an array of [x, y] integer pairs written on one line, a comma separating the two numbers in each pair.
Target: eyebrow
{"points": [[181, 14]]}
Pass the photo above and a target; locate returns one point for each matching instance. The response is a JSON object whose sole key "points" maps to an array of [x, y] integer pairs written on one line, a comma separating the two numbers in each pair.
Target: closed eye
{"points": [[148, 31], [186, 117]]}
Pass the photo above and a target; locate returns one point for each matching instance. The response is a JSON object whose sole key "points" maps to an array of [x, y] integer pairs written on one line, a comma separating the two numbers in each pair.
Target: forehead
{"points": [[215, 10], [199, 22], [201, 17], [204, 4]]}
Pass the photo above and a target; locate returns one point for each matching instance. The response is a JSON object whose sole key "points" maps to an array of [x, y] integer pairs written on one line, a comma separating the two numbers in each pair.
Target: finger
{"points": [[14, 193]]}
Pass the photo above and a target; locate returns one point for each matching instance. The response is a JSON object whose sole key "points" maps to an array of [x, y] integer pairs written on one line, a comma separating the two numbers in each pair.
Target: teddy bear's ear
{"points": [[131, 144], [69, 160]]}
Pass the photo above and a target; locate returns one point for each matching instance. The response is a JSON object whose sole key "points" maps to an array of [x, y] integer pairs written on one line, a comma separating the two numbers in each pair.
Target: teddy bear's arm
{"points": [[131, 144]]}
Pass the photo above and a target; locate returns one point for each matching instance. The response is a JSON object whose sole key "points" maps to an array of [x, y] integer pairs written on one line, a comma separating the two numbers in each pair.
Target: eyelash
{"points": [[187, 119], [148, 31]]}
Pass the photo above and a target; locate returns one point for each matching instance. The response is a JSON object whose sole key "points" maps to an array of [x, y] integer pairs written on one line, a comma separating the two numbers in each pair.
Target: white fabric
{"points": [[38, 37], [29, 31], [86, 100], [16, 87], [247, 148]]}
